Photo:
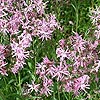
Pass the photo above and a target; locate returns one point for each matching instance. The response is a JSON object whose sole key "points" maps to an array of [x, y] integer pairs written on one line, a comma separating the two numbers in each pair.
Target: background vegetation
{"points": [[76, 11]]}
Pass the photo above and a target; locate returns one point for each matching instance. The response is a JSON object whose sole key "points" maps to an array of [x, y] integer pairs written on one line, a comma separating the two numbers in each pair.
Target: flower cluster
{"points": [[77, 55], [19, 50], [45, 71], [76, 60], [95, 17], [22, 21], [46, 26], [3, 70]]}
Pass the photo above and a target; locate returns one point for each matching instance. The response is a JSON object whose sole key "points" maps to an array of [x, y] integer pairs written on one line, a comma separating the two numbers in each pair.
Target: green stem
{"points": [[77, 16], [65, 95], [58, 92], [76, 20], [19, 83]]}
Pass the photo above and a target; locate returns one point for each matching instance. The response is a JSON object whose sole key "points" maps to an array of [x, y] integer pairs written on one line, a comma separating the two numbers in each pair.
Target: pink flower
{"points": [[60, 72], [40, 6], [25, 39], [47, 62], [19, 50], [3, 70], [62, 53], [95, 17], [51, 19], [3, 25], [97, 33], [45, 68], [77, 42], [81, 61], [44, 30], [96, 67], [81, 83], [62, 43], [14, 22], [41, 70], [2, 50], [32, 87], [47, 83], [2, 1], [45, 27], [68, 86], [51, 70], [18, 65]]}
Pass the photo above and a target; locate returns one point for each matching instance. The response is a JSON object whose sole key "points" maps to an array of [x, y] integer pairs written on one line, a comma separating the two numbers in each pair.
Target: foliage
{"points": [[49, 50]]}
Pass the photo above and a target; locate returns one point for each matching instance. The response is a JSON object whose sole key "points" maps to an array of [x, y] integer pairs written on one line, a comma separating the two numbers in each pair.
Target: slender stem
{"points": [[76, 20], [65, 95], [58, 92], [33, 45], [77, 16], [19, 81]]}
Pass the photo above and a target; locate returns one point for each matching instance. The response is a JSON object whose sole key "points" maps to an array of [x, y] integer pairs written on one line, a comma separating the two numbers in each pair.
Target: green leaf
{"points": [[30, 65]]}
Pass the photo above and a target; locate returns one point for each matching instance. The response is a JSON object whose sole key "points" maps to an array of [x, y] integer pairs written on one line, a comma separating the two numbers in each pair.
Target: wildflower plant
{"points": [[23, 21], [26, 28], [73, 76]]}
